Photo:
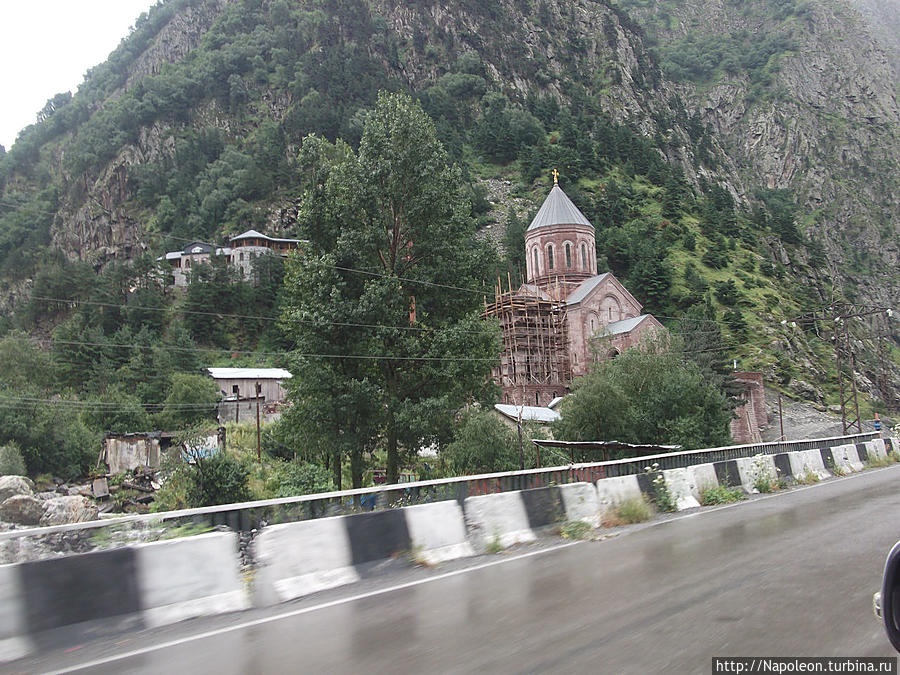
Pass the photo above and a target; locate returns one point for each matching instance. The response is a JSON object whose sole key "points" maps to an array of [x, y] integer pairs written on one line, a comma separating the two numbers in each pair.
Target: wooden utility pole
{"points": [[258, 437]]}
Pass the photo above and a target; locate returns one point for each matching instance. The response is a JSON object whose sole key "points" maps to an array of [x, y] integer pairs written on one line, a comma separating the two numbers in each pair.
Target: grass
{"points": [[577, 529], [720, 495], [880, 462], [808, 477], [494, 545], [635, 510]]}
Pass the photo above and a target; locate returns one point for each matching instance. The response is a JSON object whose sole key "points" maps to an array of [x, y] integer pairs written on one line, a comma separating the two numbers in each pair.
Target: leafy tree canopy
{"points": [[649, 394]]}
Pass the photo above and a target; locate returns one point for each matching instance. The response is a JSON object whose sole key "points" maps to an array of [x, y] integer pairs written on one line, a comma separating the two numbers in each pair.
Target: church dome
{"points": [[558, 209]]}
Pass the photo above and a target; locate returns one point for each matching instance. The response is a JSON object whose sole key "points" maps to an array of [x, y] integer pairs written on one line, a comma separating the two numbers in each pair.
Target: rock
{"points": [[64, 510], [100, 488], [15, 485], [22, 510]]}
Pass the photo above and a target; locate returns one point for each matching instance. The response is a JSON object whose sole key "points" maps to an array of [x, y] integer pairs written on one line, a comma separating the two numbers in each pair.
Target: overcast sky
{"points": [[46, 47]]}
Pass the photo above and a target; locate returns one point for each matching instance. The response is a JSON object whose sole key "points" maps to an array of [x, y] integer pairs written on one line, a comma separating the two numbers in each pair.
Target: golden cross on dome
{"points": [[555, 176]]}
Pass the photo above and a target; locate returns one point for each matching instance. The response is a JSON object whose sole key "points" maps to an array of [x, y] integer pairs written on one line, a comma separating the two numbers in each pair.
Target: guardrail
{"points": [[248, 516]]}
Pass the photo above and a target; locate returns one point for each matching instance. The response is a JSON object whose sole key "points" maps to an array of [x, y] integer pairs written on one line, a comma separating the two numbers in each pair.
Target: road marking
{"points": [[306, 610]]}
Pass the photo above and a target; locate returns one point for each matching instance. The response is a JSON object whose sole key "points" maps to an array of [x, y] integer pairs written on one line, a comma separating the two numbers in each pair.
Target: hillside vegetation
{"points": [[725, 182]]}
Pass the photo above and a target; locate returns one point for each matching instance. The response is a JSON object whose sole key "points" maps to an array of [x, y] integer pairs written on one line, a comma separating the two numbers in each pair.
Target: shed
{"points": [[241, 382]]}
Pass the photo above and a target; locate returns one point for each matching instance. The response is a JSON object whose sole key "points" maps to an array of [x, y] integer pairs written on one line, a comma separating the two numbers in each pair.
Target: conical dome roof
{"points": [[558, 209]]}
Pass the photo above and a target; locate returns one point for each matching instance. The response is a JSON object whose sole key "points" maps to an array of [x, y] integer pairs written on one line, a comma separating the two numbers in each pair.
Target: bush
{"points": [[219, 479], [11, 461], [304, 478]]}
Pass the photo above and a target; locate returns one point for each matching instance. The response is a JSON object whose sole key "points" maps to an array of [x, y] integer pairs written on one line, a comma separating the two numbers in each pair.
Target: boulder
{"points": [[22, 510], [65, 510], [15, 485]]}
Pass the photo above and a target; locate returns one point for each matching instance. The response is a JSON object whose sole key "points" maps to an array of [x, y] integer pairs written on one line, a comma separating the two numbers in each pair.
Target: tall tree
{"points": [[384, 307]]}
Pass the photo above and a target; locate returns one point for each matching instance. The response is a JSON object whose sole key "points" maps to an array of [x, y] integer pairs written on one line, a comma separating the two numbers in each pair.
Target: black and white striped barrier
{"points": [[140, 586], [164, 582], [296, 559]]}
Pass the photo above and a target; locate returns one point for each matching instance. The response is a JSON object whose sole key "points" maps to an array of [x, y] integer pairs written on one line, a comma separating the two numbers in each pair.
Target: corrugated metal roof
{"points": [[248, 234], [558, 209], [530, 413], [253, 234], [586, 287], [626, 325], [249, 373]]}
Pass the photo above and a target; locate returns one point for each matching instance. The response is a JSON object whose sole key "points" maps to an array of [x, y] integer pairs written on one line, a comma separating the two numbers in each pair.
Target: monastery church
{"points": [[565, 315]]}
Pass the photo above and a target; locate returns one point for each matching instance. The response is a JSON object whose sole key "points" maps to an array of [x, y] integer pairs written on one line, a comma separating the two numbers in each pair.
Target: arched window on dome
{"points": [[534, 271], [550, 256], [584, 262], [568, 255]]}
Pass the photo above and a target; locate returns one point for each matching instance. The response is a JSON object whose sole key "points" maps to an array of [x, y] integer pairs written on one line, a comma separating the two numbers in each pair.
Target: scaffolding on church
{"points": [[534, 364]]}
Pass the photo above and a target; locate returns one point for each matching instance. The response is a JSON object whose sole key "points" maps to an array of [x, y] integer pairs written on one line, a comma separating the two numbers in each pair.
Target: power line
{"points": [[250, 317], [117, 345]]}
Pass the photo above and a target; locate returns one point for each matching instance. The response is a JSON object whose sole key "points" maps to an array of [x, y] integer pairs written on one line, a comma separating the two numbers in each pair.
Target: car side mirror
{"points": [[887, 603]]}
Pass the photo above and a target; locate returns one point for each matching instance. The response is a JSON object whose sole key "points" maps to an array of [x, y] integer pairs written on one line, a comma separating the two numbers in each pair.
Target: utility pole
{"points": [[258, 439], [846, 360], [780, 418]]}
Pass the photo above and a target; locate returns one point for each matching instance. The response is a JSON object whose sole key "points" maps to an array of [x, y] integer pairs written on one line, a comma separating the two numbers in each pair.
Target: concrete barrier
{"points": [[783, 466], [437, 532], [296, 559], [580, 503], [613, 491], [845, 458], [754, 469], [727, 473], [189, 577], [14, 640], [871, 451], [704, 479], [892, 444], [136, 587], [682, 486], [807, 463], [499, 518]]}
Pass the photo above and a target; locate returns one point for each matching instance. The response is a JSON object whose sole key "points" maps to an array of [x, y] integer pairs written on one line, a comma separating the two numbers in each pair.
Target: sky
{"points": [[46, 47]]}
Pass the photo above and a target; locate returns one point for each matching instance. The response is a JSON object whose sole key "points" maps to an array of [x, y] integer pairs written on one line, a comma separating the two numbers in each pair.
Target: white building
{"points": [[241, 252]]}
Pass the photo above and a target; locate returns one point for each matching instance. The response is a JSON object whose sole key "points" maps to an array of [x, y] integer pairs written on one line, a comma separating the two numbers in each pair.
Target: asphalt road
{"points": [[790, 574]]}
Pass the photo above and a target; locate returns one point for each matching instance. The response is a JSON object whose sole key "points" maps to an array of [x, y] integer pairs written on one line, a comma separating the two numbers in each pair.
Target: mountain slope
{"points": [[755, 175]]}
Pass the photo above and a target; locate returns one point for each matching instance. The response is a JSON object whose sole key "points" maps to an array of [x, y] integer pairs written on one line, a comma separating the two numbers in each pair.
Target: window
{"points": [[568, 255], [550, 256], [584, 262], [609, 309], [537, 400], [534, 267]]}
